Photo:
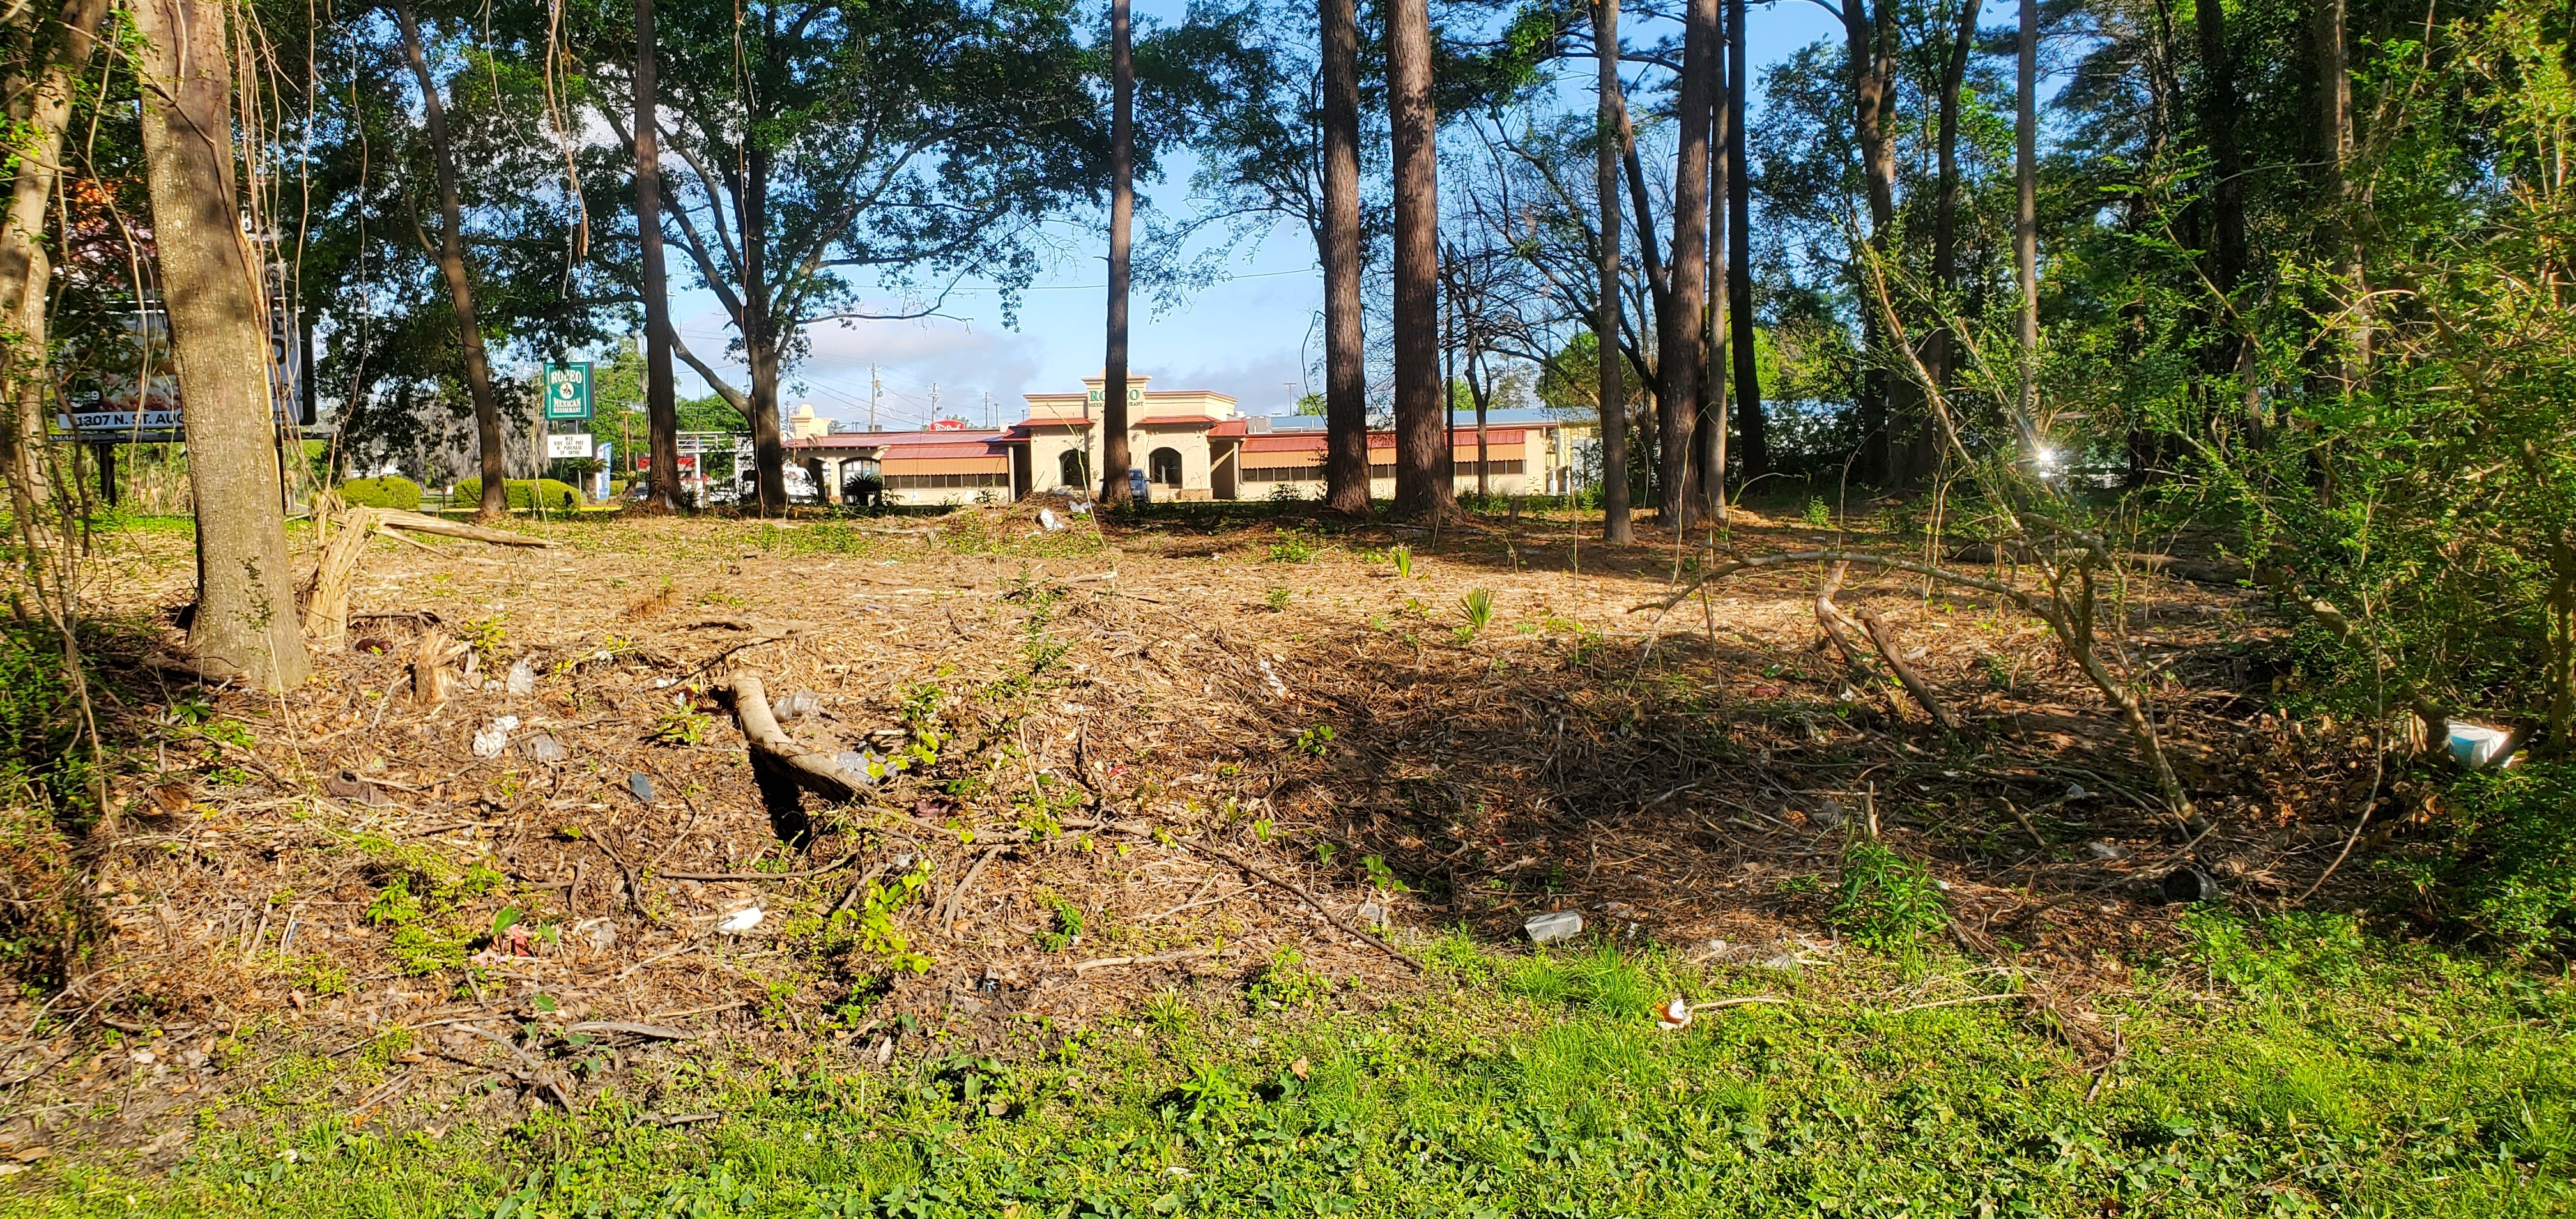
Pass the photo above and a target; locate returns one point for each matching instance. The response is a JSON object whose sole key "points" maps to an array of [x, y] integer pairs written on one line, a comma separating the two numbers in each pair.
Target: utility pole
{"points": [[875, 387], [934, 402]]}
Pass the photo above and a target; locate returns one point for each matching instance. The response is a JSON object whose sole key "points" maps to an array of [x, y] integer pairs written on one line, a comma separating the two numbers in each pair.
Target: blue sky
{"points": [[1249, 337]]}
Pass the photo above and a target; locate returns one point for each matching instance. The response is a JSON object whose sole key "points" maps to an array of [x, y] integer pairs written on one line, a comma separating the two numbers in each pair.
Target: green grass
{"points": [[2290, 1068]]}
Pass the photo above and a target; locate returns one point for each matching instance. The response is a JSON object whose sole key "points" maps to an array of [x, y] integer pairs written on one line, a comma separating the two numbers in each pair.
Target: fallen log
{"points": [[420, 523], [1830, 617], [810, 769], [1885, 641]]}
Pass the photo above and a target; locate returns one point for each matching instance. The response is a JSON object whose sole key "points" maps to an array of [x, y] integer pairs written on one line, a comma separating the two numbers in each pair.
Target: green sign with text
{"points": [[568, 391]]}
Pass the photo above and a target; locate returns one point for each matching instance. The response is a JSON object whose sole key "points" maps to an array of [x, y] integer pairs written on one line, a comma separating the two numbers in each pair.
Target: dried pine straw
{"points": [[1132, 729]]}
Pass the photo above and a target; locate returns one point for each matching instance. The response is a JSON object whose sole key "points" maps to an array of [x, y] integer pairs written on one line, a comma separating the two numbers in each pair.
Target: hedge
{"points": [[521, 493], [387, 492]]}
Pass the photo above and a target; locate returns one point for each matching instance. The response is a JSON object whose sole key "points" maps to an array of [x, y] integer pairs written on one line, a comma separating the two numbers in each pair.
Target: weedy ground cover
{"points": [[2285, 1067]]}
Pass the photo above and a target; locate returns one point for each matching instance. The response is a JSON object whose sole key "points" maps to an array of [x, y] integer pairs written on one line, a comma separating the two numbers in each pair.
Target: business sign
{"points": [[133, 379], [120, 422], [567, 444], [568, 390]]}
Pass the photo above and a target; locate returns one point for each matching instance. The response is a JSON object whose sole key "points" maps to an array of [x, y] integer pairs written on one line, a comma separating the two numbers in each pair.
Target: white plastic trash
{"points": [[493, 739], [523, 678], [2476, 745], [1046, 517], [1553, 926]]}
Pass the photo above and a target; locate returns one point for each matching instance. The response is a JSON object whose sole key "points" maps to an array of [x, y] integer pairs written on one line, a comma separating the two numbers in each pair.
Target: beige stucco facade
{"points": [[1192, 445], [1168, 437]]}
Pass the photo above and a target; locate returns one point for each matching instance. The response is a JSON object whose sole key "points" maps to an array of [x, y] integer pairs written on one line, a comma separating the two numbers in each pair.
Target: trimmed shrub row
{"points": [[389, 492], [523, 493]]}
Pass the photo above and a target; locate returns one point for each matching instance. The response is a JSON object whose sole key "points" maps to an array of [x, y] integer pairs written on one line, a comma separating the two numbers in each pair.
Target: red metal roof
{"points": [[929, 452], [1313, 442], [907, 441]]}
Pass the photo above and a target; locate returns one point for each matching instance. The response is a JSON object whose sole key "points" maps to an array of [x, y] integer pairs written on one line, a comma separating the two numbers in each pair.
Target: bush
{"points": [[388, 492], [521, 493], [2513, 874]]}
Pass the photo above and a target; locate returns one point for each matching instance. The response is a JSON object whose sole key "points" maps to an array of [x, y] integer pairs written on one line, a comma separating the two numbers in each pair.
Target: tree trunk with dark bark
{"points": [[1682, 321], [1422, 492], [661, 397], [245, 622], [760, 340], [1916, 450], [2026, 207], [1749, 429], [2218, 130], [2345, 221], [1614, 399], [1114, 487], [1870, 37], [1346, 461], [1708, 441], [460, 286]]}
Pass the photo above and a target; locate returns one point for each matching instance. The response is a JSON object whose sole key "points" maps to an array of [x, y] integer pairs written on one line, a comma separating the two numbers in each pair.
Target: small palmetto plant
{"points": [[1479, 606], [1403, 556]]}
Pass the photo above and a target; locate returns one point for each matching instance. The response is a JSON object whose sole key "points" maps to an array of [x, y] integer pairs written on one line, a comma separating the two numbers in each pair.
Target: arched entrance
{"points": [[1163, 467], [1073, 467]]}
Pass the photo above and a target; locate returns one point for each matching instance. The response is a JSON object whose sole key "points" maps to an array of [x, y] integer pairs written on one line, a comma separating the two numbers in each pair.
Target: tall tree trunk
{"points": [[1422, 438], [2218, 129], [1649, 255], [245, 621], [1708, 445], [1916, 452], [2345, 223], [39, 108], [1648, 431], [661, 397], [760, 340], [1681, 320], [1749, 429], [451, 263], [2026, 208], [2227, 242], [1114, 487], [1614, 399], [1346, 460], [1870, 37]]}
